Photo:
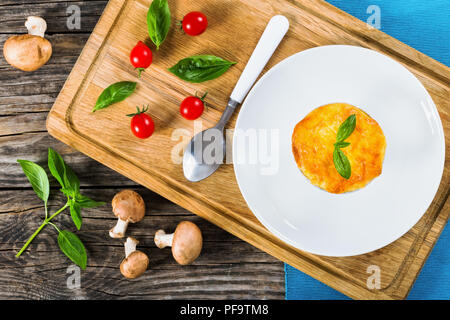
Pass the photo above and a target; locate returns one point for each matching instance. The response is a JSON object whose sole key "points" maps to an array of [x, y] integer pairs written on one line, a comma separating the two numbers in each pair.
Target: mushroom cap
{"points": [[27, 52], [135, 265], [187, 242], [128, 205]]}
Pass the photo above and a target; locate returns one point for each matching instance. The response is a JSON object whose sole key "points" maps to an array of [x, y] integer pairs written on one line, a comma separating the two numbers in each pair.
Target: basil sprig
{"points": [[116, 92], [158, 21], [200, 68], [68, 242], [341, 162]]}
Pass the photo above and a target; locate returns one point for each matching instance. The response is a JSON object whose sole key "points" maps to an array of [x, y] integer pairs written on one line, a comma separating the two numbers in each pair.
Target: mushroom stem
{"points": [[130, 246], [36, 26], [162, 239], [119, 229]]}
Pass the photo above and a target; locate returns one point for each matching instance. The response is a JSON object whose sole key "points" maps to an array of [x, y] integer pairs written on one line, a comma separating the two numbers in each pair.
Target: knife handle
{"points": [[269, 41]]}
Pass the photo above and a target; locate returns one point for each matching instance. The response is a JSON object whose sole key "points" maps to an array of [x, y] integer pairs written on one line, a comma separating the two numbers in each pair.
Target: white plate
{"points": [[307, 217]]}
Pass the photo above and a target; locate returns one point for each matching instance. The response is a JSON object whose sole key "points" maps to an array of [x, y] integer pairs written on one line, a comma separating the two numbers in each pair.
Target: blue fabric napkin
{"points": [[425, 26]]}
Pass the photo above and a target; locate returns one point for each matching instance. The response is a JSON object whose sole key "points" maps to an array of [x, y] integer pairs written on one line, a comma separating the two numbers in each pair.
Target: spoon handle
{"points": [[269, 41]]}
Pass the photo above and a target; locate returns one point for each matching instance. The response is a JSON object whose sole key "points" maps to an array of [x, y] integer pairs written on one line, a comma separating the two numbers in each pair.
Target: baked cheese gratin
{"points": [[314, 146]]}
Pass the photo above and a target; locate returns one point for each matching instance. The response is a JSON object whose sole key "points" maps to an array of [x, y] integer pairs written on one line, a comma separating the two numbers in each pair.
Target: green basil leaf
{"points": [[158, 21], [201, 68], [75, 213], [86, 202], [116, 92], [73, 248], [346, 128], [342, 144], [57, 166], [37, 177], [341, 163], [71, 181]]}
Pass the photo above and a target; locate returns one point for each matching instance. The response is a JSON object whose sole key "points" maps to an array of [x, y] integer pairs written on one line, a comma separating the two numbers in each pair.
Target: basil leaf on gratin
{"points": [[342, 163], [200, 68], [346, 128], [116, 92], [158, 21]]}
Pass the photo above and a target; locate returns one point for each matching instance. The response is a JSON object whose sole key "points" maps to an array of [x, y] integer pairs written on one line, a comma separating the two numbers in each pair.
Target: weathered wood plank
{"points": [[55, 13], [33, 147], [227, 267]]}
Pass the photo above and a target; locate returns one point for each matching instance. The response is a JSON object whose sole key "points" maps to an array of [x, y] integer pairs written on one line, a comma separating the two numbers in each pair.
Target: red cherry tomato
{"points": [[192, 107], [141, 57], [142, 124], [194, 23]]}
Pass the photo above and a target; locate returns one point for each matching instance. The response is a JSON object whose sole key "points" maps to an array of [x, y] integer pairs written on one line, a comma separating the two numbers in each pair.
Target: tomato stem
{"points": [[202, 97], [140, 71], [138, 111]]}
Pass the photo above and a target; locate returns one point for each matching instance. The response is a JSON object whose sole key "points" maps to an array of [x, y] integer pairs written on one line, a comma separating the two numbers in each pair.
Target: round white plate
{"points": [[305, 216]]}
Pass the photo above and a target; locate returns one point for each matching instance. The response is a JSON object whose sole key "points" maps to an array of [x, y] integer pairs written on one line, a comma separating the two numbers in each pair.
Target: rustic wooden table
{"points": [[228, 267]]}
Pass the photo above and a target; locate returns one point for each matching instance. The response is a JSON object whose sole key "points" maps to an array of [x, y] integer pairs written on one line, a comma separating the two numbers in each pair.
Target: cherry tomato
{"points": [[141, 57], [192, 107], [142, 124], [194, 23]]}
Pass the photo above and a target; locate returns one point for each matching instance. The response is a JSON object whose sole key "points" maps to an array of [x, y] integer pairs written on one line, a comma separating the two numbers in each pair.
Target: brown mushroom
{"points": [[186, 242], [135, 262], [128, 206], [29, 52]]}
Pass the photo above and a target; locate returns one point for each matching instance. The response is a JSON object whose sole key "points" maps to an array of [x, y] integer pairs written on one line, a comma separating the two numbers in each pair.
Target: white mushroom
{"points": [[186, 242], [29, 52], [128, 206], [135, 262]]}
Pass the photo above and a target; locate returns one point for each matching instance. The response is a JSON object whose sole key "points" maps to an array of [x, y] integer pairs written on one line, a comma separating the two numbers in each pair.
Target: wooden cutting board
{"points": [[235, 27]]}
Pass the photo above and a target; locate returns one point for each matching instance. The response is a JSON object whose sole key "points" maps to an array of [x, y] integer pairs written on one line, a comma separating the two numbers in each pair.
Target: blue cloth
{"points": [[425, 26]]}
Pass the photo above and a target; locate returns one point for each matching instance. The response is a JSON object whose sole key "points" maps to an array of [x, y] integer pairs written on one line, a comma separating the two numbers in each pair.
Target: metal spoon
{"points": [[206, 151]]}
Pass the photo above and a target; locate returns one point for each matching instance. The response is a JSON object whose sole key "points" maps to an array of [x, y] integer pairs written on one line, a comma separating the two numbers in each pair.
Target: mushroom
{"points": [[186, 242], [135, 262], [29, 52], [128, 206]]}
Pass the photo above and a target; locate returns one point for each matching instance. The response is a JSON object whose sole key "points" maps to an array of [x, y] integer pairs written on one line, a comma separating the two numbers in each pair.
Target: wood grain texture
{"points": [[104, 60], [228, 267]]}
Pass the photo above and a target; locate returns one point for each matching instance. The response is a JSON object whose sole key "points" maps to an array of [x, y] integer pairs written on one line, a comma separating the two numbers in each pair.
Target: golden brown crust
{"points": [[27, 52], [313, 144]]}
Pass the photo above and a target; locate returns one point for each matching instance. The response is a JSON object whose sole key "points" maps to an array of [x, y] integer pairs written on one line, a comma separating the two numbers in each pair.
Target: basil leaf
{"points": [[201, 68], [342, 144], [158, 21], [73, 248], [116, 92], [37, 177], [346, 128], [71, 181], [86, 202], [341, 163], [57, 166], [75, 213]]}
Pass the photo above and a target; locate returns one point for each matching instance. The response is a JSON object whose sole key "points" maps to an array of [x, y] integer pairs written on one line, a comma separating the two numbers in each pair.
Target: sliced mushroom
{"points": [[186, 242], [128, 206], [135, 262], [29, 52]]}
